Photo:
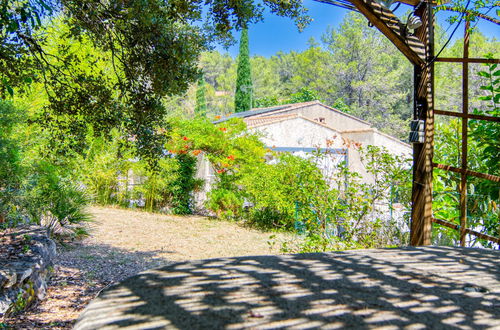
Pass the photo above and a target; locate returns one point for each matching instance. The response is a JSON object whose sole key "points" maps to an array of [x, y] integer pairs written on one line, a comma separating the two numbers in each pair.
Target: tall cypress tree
{"points": [[244, 87], [201, 100]]}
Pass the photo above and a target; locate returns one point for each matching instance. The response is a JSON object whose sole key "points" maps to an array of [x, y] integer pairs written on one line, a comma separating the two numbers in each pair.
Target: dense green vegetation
{"points": [[113, 104]]}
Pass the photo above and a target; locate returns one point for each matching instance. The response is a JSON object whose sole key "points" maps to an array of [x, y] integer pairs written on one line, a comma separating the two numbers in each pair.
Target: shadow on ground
{"points": [[109, 264], [412, 287], [80, 272]]}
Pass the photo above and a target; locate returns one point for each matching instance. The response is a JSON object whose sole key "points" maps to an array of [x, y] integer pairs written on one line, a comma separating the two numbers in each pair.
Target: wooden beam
{"points": [[468, 115], [410, 2], [384, 20], [467, 230], [486, 176], [467, 60], [421, 212]]}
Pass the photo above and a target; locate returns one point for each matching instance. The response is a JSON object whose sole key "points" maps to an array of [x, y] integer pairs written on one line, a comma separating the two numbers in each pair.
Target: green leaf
{"points": [[487, 88], [484, 74], [496, 73], [486, 98], [10, 90]]}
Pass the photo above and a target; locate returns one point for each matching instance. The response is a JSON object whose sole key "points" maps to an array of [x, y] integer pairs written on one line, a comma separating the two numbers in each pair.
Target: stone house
{"points": [[302, 128]]}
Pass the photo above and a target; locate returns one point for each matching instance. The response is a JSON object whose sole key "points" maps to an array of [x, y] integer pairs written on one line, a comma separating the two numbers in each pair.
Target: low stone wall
{"points": [[24, 275]]}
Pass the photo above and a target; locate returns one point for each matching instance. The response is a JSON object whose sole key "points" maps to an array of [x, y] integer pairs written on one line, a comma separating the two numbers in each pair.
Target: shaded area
{"points": [[412, 287], [81, 271], [124, 243]]}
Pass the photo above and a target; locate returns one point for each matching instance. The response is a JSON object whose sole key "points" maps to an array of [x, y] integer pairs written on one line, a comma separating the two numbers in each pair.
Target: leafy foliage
{"points": [[483, 156], [10, 159], [151, 48], [332, 210], [34, 190]]}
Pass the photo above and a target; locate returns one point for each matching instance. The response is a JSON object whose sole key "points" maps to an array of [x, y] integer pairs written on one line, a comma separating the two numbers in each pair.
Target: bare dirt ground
{"points": [[123, 243]]}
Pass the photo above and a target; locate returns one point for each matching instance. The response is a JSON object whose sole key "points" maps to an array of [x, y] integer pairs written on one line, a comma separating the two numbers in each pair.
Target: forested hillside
{"points": [[353, 68]]}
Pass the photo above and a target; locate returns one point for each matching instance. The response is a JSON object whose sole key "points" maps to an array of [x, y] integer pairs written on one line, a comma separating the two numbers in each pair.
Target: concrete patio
{"points": [[411, 288]]}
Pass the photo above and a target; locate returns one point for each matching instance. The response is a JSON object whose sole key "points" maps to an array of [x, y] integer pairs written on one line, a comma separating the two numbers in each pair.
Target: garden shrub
{"points": [[334, 210], [33, 190], [54, 201], [10, 161], [276, 188], [104, 161]]}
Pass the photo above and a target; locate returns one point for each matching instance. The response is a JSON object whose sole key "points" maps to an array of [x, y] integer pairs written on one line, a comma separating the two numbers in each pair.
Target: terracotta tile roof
{"points": [[260, 121]]}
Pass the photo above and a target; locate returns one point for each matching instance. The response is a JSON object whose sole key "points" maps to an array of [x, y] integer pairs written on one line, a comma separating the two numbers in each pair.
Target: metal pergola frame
{"points": [[419, 50]]}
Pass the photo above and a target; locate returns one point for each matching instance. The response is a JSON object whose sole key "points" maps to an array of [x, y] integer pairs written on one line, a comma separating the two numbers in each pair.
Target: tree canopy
{"points": [[152, 47]]}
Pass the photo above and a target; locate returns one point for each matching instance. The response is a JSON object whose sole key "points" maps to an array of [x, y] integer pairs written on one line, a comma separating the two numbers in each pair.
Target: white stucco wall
{"points": [[375, 138]]}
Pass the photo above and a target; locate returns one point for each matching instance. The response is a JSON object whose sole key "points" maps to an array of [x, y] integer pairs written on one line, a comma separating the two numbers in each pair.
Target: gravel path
{"points": [[125, 242]]}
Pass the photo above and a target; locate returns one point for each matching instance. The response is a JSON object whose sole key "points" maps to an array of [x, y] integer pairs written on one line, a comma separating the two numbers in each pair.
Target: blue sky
{"points": [[280, 34]]}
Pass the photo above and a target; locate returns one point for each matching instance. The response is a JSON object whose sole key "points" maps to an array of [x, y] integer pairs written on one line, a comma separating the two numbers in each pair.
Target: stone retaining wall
{"points": [[23, 277]]}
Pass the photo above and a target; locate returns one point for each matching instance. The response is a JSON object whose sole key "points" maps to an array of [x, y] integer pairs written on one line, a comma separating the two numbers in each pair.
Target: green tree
{"points": [[244, 87], [201, 100], [303, 95], [153, 49], [375, 82]]}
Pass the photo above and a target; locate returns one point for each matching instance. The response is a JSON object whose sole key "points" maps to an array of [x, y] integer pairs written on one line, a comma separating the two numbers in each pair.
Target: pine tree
{"points": [[244, 88], [201, 100]]}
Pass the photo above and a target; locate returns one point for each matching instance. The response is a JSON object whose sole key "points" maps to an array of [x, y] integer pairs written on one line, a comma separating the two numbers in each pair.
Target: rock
{"points": [[26, 275], [24, 272], [8, 278]]}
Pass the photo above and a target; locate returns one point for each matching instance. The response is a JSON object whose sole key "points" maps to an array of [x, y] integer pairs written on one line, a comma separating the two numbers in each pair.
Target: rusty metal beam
{"points": [[467, 230], [468, 115], [467, 60], [450, 168], [385, 21]]}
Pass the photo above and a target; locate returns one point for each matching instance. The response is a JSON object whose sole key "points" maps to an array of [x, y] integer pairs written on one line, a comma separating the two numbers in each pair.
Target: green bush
{"points": [[33, 190], [10, 161], [51, 200]]}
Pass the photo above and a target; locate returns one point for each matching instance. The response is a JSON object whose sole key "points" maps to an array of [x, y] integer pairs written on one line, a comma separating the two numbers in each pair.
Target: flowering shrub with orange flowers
{"points": [[231, 150]]}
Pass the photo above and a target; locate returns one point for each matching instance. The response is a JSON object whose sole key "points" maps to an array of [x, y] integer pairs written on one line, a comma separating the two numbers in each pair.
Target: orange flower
{"points": [[222, 170], [186, 146], [196, 152], [223, 129], [217, 117], [185, 138], [230, 157]]}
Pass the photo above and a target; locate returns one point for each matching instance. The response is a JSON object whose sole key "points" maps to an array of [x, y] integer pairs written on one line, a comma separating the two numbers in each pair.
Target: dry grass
{"points": [[175, 237], [125, 242]]}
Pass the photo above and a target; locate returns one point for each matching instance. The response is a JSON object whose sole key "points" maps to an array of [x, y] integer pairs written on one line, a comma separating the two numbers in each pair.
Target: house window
{"points": [[320, 119]]}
